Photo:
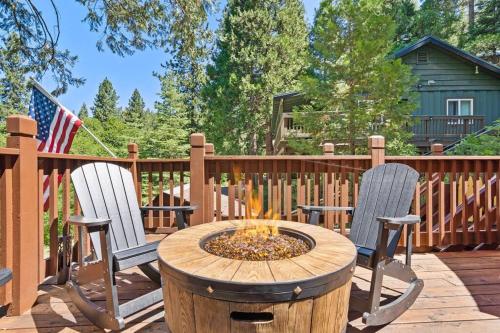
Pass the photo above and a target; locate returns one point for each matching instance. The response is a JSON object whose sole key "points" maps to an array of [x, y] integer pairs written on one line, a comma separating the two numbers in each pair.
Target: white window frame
{"points": [[459, 100]]}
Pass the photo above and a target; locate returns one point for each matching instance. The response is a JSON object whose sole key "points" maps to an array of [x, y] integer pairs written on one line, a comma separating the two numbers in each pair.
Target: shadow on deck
{"points": [[461, 294]]}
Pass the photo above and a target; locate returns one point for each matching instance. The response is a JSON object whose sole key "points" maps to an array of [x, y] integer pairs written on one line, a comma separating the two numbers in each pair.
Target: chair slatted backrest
{"points": [[106, 190], [386, 191]]}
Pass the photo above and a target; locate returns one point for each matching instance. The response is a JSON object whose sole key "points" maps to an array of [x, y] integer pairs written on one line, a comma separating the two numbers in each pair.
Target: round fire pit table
{"points": [[206, 293]]}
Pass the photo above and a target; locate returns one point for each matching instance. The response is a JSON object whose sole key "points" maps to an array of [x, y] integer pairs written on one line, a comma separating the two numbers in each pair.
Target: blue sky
{"points": [[126, 73]]}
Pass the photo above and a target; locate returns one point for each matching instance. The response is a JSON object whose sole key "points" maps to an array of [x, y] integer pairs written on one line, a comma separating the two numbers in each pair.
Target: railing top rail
{"points": [[287, 157], [442, 117], [82, 157], [160, 160], [443, 158], [9, 151]]}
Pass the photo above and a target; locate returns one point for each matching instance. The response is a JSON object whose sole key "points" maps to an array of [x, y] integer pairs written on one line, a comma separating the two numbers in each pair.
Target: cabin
{"points": [[459, 95]]}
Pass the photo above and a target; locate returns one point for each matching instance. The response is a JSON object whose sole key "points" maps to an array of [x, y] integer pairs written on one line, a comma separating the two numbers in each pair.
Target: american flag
{"points": [[56, 128]]}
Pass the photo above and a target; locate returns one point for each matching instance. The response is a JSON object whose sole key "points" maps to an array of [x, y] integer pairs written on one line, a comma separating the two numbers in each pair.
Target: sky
{"points": [[126, 73]]}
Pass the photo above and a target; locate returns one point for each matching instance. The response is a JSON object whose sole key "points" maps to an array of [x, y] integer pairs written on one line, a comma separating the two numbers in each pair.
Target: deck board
{"points": [[461, 294]]}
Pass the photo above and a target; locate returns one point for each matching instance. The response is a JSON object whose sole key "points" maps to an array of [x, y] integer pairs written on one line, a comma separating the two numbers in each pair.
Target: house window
{"points": [[422, 57], [459, 107]]}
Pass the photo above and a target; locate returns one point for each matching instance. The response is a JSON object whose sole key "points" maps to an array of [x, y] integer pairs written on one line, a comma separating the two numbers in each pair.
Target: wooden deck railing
{"points": [[444, 129], [457, 196]]}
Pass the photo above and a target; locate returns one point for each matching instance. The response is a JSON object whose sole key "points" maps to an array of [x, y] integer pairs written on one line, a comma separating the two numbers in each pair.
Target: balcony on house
{"points": [[444, 129]]}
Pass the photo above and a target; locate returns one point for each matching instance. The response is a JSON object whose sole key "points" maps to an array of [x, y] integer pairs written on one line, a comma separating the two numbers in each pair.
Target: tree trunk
{"points": [[471, 15], [269, 142], [254, 145]]}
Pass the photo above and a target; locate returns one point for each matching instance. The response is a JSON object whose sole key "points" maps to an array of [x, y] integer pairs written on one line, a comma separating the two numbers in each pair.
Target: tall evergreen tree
{"points": [[355, 89], [169, 135], [262, 49], [105, 102], [484, 36], [404, 14], [13, 84], [135, 111], [189, 49], [440, 18], [84, 112]]}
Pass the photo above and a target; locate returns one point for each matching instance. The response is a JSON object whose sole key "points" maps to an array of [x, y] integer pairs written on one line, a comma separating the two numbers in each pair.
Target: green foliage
{"points": [[189, 46], [129, 25], [484, 144], [106, 102], [446, 19], [13, 85], [404, 14], [135, 111], [114, 133], [261, 50], [36, 43], [163, 134], [440, 18], [484, 37], [84, 112], [354, 88], [124, 26], [169, 134]]}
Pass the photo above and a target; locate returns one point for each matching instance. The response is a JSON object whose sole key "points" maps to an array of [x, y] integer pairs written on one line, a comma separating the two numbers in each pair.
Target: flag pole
{"points": [[97, 140], [53, 99]]}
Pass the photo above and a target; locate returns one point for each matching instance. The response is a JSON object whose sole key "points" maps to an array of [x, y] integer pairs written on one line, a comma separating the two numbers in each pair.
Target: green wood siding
{"points": [[454, 78], [486, 102]]}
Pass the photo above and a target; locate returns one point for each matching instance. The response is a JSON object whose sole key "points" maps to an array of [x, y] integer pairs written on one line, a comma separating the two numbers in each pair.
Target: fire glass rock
{"points": [[256, 247]]}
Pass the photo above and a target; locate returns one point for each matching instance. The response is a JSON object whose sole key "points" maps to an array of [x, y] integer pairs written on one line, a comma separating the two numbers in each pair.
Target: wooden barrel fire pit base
{"points": [[206, 293]]}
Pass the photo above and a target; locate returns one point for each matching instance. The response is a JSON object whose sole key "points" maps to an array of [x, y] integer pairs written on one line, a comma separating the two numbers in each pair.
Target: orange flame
{"points": [[253, 225]]}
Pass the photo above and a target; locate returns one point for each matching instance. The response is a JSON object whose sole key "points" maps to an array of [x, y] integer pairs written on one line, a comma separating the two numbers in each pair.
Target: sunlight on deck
{"points": [[461, 294]]}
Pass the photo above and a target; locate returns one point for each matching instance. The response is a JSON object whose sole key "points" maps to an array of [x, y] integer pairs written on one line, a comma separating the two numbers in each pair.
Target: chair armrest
{"points": [[82, 221], [307, 209], [396, 222], [5, 276], [187, 209]]}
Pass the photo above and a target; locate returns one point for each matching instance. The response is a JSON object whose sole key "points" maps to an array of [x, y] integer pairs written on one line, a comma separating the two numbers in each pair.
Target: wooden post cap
{"points": [[21, 125], [209, 149], [197, 140], [132, 147], [328, 148], [437, 149], [376, 141]]}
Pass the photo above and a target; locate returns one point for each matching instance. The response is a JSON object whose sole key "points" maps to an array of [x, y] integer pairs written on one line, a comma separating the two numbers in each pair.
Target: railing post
{"points": [[376, 145], [197, 174], [437, 149], [133, 153], [209, 187], [25, 187], [329, 149]]}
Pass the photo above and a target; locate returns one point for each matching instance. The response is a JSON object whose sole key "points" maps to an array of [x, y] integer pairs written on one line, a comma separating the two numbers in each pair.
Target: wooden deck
{"points": [[461, 294]]}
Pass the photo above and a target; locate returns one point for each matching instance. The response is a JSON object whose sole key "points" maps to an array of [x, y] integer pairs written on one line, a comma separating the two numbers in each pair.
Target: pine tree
{"points": [[13, 85], [440, 18], [135, 111], [404, 13], [262, 49], [169, 135], [355, 89], [189, 48], [105, 102], [484, 38], [84, 112]]}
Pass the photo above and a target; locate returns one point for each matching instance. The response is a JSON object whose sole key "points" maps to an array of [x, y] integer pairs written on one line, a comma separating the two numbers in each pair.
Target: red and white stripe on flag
{"points": [[62, 131], [56, 128]]}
